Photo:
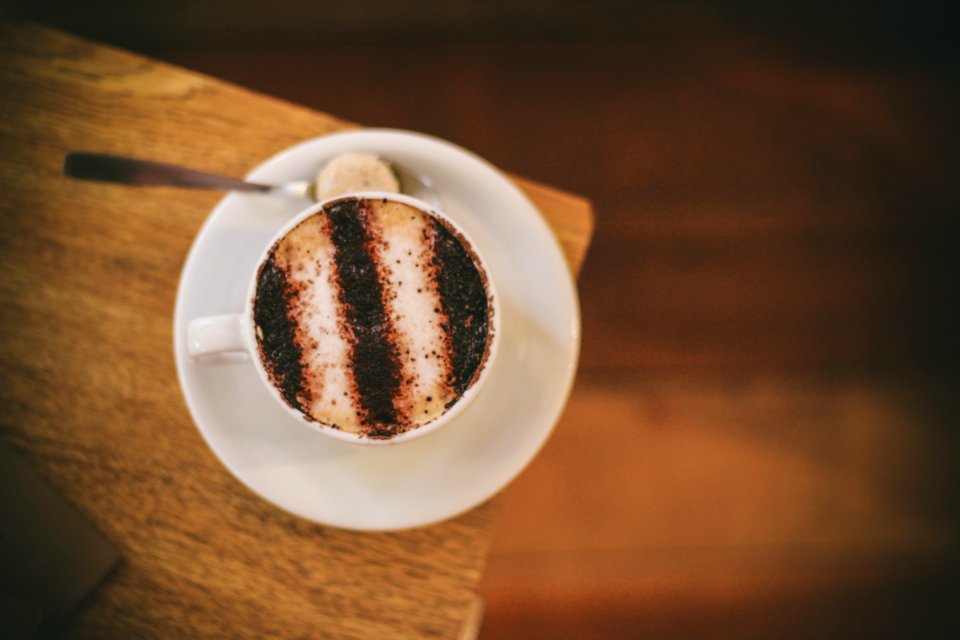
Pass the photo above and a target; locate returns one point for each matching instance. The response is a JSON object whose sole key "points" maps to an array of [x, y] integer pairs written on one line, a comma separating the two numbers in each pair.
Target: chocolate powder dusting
{"points": [[279, 346], [376, 357], [465, 303]]}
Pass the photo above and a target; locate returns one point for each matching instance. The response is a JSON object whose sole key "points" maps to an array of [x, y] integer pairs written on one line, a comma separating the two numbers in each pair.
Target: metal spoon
{"points": [[133, 171]]}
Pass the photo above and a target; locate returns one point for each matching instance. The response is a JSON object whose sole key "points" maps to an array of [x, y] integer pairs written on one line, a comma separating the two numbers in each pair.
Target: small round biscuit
{"points": [[352, 172]]}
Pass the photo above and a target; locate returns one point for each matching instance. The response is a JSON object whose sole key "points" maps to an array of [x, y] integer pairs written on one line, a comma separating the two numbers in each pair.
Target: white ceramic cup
{"points": [[234, 333]]}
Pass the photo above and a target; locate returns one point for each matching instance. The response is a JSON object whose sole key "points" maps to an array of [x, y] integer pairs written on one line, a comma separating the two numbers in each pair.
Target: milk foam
{"points": [[414, 301], [307, 255], [413, 324]]}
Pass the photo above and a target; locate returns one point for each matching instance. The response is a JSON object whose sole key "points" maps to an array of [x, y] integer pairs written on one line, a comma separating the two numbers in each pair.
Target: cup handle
{"points": [[215, 334]]}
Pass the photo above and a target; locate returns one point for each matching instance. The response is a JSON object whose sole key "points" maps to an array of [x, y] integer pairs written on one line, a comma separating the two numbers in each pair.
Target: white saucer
{"points": [[426, 480]]}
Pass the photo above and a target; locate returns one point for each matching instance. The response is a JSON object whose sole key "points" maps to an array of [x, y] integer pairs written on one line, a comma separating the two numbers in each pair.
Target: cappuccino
{"points": [[372, 316]]}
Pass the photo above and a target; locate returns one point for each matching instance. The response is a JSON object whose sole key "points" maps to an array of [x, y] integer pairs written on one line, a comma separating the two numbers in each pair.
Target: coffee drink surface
{"points": [[372, 317]]}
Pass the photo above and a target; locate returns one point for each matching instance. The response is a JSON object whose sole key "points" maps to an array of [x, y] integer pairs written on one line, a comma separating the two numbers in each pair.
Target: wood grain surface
{"points": [[87, 379]]}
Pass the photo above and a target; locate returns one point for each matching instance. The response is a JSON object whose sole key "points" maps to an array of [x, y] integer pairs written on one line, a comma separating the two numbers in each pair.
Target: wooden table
{"points": [[87, 380]]}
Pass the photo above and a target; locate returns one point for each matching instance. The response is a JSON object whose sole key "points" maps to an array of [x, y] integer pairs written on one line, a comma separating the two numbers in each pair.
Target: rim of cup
{"points": [[493, 341]]}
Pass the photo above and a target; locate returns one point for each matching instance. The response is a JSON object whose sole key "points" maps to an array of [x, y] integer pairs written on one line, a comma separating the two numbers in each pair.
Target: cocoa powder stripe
{"points": [[375, 356], [393, 253], [464, 303], [278, 341]]}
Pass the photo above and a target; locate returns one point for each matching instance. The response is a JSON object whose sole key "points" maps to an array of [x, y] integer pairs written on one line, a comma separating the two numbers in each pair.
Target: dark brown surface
{"points": [[50, 556]]}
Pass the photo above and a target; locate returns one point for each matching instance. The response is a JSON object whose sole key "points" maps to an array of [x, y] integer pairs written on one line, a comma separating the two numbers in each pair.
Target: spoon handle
{"points": [[120, 169]]}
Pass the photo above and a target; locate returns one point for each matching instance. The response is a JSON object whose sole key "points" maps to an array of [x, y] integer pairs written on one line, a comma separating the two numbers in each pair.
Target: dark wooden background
{"points": [[763, 438]]}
